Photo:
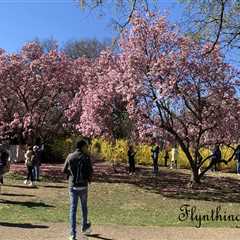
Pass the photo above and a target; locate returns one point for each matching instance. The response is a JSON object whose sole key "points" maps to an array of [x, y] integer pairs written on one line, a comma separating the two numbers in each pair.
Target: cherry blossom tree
{"points": [[99, 109], [175, 86], [169, 85], [35, 90], [159, 82]]}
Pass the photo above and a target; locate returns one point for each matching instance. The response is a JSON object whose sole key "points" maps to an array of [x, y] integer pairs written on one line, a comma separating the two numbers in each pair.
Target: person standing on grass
{"points": [[174, 158], [36, 162], [131, 160], [237, 156], [216, 158], [166, 158], [29, 162], [155, 153], [78, 168], [4, 164]]}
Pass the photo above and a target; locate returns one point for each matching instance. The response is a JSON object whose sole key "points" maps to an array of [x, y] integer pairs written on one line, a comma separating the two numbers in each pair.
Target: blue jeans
{"points": [[74, 197], [238, 166], [36, 172], [30, 175]]}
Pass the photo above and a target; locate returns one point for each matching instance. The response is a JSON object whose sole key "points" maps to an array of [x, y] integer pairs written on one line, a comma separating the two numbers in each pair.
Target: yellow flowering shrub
{"points": [[143, 155], [117, 153], [120, 151]]}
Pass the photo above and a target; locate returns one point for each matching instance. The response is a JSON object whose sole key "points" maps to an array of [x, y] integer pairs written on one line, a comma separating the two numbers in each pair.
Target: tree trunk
{"points": [[195, 178]]}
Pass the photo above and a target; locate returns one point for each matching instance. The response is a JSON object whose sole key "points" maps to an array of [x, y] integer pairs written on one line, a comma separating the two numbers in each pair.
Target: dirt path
{"points": [[114, 232]]}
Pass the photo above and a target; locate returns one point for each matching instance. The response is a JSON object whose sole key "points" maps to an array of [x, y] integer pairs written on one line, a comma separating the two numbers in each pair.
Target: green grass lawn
{"points": [[143, 201]]}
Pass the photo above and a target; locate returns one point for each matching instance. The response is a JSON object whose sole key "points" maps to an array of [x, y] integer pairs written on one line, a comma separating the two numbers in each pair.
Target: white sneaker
{"points": [[72, 238], [25, 182], [31, 184], [87, 229]]}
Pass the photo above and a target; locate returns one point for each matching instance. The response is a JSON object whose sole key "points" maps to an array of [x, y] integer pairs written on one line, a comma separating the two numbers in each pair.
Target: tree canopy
{"points": [[160, 82]]}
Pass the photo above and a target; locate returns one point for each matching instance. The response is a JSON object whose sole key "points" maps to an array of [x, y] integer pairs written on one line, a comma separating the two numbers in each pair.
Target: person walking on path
{"points": [[216, 158], [155, 153], [78, 168], [29, 162], [237, 156], [131, 160]]}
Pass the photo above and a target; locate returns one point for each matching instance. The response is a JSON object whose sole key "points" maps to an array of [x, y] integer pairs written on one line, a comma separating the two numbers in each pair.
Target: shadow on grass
{"points": [[26, 204], [19, 186], [48, 175], [53, 177], [169, 183], [174, 184], [23, 225], [98, 236], [16, 195], [51, 186]]}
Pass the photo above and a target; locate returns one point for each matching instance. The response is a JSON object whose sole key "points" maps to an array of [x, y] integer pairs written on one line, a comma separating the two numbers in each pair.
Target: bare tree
{"points": [[121, 11], [47, 44], [89, 48], [217, 21]]}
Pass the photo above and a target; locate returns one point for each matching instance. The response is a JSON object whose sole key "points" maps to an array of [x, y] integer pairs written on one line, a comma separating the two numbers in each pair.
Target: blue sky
{"points": [[63, 20]]}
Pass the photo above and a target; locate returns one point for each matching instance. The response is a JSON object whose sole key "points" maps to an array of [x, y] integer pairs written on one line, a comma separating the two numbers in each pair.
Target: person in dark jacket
{"points": [[216, 157], [4, 164], [237, 156], [131, 160], [78, 168], [166, 158], [36, 162], [155, 153]]}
